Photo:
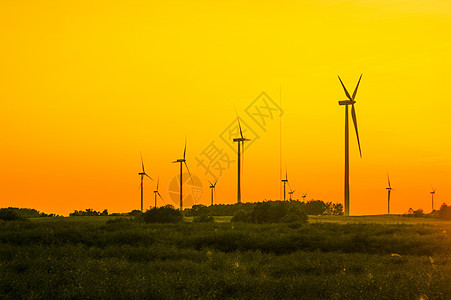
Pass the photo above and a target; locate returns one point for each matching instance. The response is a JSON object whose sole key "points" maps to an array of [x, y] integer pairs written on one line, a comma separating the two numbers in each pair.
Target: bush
{"points": [[164, 214], [203, 219], [7, 214], [294, 218], [272, 212], [241, 216]]}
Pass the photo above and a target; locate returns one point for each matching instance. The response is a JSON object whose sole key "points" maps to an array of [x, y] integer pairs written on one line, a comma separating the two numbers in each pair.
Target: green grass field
{"points": [[369, 257]]}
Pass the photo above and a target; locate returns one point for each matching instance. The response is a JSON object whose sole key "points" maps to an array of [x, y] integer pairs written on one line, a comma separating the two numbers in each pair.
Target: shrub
{"points": [[272, 212], [164, 214], [241, 216], [203, 219], [294, 218], [7, 214]]}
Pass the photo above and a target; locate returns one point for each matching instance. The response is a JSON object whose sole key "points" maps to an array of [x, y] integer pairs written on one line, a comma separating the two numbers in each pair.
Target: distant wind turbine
{"points": [[291, 192], [350, 101], [389, 189], [142, 174], [303, 197], [182, 161], [213, 190], [432, 194], [284, 181], [240, 141], [157, 193]]}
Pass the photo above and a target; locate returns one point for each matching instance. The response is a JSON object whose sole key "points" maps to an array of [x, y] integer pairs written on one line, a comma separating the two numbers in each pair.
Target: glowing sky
{"points": [[85, 86]]}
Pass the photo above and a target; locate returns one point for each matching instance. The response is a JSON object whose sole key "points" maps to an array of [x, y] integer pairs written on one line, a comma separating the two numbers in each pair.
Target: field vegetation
{"points": [[378, 257]]}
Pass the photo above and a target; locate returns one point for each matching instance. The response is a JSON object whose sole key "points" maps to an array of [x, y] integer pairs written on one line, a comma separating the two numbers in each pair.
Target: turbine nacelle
{"points": [[241, 140], [346, 102], [181, 160]]}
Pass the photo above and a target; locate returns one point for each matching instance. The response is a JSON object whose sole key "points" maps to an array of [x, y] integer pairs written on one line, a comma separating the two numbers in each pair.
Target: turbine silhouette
{"points": [[142, 174], [182, 161], [303, 197], [240, 141], [432, 195], [291, 192], [213, 190], [284, 181], [351, 101], [157, 193], [389, 189]]}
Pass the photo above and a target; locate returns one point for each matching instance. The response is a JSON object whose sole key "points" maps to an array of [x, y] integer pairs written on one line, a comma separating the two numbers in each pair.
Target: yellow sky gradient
{"points": [[85, 86]]}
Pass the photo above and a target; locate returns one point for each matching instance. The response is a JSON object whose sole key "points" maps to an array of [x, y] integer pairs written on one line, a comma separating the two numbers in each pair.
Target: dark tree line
{"points": [[311, 207], [88, 212]]}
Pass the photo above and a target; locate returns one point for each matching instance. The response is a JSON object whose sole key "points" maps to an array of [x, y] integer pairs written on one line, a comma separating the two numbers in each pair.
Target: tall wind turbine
{"points": [[142, 174], [182, 161], [157, 193], [432, 194], [389, 189], [240, 141], [284, 181], [351, 101], [213, 190]]}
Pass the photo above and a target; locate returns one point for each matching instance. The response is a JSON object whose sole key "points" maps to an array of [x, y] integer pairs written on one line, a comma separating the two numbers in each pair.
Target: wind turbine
{"points": [[303, 197], [432, 194], [157, 193], [142, 174], [291, 192], [182, 161], [284, 181], [240, 141], [389, 189], [213, 190], [350, 101]]}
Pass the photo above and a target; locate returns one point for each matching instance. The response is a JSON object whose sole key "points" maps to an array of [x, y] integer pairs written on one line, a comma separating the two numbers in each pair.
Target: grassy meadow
{"points": [[371, 257]]}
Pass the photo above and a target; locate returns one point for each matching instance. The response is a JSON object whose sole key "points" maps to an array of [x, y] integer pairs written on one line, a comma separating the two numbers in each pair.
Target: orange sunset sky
{"points": [[85, 86]]}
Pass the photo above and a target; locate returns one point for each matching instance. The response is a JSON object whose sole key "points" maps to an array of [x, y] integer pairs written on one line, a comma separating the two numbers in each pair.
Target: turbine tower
{"points": [[240, 141], [284, 181], [351, 101], [213, 190], [157, 193], [389, 189], [432, 194], [142, 174], [182, 161]]}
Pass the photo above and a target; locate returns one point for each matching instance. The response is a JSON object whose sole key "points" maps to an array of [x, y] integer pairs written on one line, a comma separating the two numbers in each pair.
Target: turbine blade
{"points": [[388, 181], [191, 177], [142, 163], [148, 176], [289, 185], [184, 151], [354, 118], [210, 183], [346, 91], [158, 183], [239, 124], [158, 193], [357, 86], [215, 183]]}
